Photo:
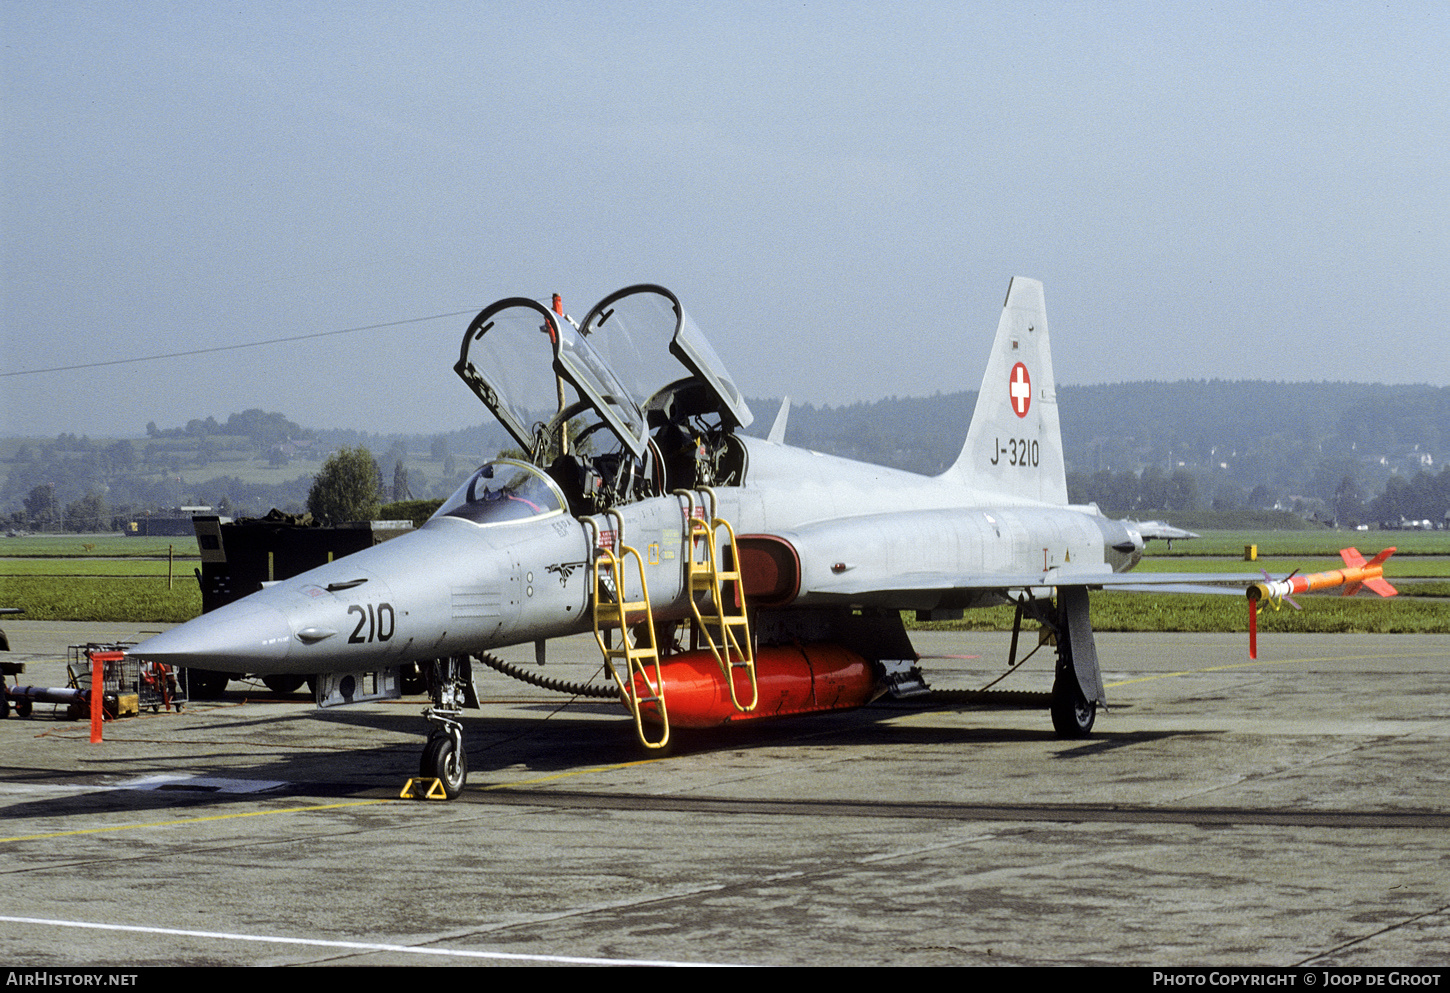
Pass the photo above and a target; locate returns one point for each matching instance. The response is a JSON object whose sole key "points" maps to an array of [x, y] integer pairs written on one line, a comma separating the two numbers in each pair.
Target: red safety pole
{"points": [[98, 677], [98, 688]]}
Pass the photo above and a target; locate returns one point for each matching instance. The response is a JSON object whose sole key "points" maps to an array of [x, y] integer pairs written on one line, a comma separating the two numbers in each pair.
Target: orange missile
{"points": [[1356, 574]]}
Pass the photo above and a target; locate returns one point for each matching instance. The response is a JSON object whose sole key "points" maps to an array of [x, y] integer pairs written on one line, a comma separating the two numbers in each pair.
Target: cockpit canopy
{"points": [[638, 326], [600, 404], [501, 491], [522, 359]]}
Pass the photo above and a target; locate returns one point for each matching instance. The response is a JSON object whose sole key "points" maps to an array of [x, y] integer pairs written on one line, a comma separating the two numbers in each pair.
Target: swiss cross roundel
{"points": [[1019, 388]]}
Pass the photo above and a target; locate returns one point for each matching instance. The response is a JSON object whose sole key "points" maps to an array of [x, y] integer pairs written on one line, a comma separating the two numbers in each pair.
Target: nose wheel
{"points": [[444, 758]]}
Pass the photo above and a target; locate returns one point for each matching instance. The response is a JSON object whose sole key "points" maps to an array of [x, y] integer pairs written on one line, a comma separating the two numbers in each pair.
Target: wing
{"points": [[918, 590]]}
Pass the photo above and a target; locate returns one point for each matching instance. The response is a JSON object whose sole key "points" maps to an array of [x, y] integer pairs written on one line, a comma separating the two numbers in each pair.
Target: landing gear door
{"points": [[507, 359]]}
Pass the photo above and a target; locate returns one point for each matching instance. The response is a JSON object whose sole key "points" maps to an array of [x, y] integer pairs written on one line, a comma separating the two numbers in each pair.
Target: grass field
{"points": [[1324, 542], [90, 598], [1424, 566], [181, 568], [110, 545], [100, 577]]}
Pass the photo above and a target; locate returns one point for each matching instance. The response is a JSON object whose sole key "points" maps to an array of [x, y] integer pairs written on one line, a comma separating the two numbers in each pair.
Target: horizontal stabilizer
{"points": [[907, 591], [1199, 588]]}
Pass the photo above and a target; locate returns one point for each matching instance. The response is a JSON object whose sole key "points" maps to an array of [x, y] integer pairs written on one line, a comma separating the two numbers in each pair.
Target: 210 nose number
{"points": [[380, 623]]}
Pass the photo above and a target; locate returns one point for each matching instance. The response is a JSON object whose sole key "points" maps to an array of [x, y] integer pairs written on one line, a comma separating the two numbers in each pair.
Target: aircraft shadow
{"points": [[571, 738]]}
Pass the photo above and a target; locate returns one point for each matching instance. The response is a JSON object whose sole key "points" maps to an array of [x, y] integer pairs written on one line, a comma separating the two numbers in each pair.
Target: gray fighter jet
{"points": [[726, 577]]}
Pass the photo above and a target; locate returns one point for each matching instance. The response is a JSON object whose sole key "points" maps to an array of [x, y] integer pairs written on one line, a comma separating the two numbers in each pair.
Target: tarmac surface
{"points": [[1293, 811]]}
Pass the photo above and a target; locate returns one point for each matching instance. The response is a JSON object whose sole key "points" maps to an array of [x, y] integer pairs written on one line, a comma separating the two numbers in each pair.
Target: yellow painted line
{"points": [[919, 715], [302, 810], [1208, 668], [192, 820]]}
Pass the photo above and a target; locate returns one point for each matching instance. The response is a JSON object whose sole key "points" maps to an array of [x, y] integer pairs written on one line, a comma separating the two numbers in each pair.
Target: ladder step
{"points": [[722, 625], [626, 616]]}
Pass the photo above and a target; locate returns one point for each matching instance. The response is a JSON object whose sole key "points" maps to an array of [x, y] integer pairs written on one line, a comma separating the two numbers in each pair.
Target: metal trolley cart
{"points": [[130, 684]]}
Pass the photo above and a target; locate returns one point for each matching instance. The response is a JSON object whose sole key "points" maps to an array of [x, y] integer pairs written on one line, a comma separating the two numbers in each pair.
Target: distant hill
{"points": [[1280, 441], [1341, 450]]}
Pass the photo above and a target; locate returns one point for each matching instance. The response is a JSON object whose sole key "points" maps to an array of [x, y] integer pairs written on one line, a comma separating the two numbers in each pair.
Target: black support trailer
{"points": [[238, 557]]}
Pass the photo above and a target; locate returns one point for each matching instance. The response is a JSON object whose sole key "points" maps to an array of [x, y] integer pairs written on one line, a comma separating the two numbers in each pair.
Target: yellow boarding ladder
{"points": [[723, 624], [630, 664]]}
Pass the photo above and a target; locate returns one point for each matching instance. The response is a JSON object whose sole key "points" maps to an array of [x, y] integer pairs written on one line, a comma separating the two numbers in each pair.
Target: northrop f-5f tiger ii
{"points": [[725, 577]]}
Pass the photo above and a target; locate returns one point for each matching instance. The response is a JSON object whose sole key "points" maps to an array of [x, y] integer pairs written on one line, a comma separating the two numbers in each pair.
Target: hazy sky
{"points": [[838, 192]]}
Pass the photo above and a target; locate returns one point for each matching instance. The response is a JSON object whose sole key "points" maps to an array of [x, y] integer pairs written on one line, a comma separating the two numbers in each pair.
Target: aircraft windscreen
{"points": [[502, 491]]}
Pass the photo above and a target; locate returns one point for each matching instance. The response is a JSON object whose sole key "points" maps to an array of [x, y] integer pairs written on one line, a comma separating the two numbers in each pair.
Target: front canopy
{"points": [[502, 491]]}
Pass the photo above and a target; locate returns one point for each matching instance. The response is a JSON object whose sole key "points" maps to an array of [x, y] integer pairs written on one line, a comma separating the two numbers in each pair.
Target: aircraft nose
{"points": [[239, 637]]}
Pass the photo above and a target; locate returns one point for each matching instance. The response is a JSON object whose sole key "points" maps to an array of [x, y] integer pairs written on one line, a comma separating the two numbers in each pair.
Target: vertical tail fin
{"points": [[777, 430], [1014, 445]]}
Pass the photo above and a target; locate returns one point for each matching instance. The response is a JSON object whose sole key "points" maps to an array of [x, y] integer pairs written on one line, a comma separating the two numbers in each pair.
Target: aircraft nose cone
{"points": [[239, 637]]}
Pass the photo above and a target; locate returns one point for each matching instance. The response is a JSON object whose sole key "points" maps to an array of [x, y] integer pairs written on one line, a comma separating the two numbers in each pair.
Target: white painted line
{"points": [[208, 784], [212, 784], [362, 946]]}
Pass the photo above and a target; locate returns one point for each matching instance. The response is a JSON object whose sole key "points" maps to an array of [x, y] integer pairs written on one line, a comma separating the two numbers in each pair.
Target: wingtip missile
{"points": [[1356, 574]]}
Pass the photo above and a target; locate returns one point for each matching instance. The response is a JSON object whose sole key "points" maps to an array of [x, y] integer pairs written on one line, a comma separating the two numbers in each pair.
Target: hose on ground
{"points": [[609, 692]]}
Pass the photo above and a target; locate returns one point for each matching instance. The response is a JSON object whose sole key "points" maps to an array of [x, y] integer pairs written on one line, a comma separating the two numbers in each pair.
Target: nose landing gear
{"points": [[450, 683]]}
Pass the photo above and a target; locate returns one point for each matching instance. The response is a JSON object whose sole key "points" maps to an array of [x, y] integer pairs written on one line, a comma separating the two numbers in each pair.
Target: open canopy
{"points": [[527, 363]]}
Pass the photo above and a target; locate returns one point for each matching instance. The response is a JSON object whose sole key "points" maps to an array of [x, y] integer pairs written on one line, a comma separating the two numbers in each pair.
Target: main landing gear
{"points": [[1077, 686], [1072, 713]]}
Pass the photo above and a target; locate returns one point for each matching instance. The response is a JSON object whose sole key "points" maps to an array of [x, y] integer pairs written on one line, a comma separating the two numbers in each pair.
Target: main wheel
{"points": [[1072, 713], [445, 761]]}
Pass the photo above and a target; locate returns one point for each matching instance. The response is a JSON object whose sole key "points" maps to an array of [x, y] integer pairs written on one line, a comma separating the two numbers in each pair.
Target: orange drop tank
{"points": [[792, 679]]}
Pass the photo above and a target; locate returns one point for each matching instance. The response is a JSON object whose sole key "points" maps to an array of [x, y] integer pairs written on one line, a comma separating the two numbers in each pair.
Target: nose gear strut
{"points": [[444, 766]]}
